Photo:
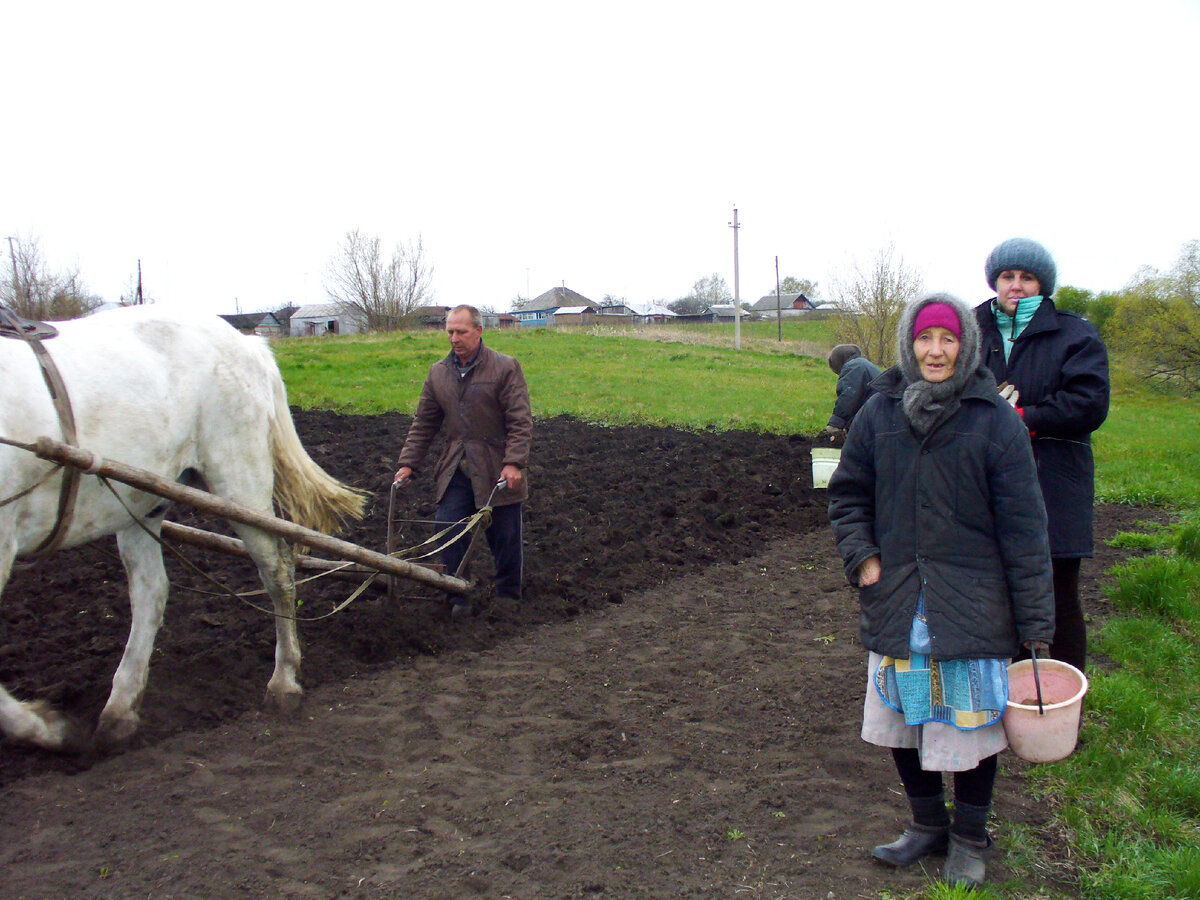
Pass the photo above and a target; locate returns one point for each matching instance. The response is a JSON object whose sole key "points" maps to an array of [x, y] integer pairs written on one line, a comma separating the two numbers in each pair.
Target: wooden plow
{"points": [[365, 562]]}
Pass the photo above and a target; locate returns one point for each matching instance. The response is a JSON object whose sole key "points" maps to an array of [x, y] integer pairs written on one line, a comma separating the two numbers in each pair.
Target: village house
{"points": [[788, 305], [572, 315], [658, 314], [618, 314], [261, 323], [324, 318], [541, 309]]}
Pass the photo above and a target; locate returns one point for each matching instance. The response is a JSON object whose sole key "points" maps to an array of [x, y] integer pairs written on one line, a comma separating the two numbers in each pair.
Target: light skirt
{"points": [[942, 747]]}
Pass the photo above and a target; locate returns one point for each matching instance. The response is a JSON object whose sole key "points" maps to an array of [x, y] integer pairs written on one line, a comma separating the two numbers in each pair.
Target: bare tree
{"points": [[379, 292], [870, 302], [33, 291]]}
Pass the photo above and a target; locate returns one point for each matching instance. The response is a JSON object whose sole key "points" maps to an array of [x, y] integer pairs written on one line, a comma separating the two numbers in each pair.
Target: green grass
{"points": [[1148, 452], [589, 375], [1127, 802]]}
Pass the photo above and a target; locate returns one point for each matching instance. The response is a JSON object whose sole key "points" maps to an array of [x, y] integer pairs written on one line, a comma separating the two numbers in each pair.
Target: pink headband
{"points": [[942, 315]]}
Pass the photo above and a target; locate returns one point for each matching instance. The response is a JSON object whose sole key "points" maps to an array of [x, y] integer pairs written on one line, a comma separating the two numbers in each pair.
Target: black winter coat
{"points": [[1060, 366], [956, 514], [853, 389]]}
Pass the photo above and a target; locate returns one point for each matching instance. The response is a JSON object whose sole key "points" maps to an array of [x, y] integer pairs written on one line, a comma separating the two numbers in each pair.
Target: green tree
{"points": [[712, 290], [1101, 310], [789, 284], [1157, 321], [1073, 299], [687, 306], [707, 292]]}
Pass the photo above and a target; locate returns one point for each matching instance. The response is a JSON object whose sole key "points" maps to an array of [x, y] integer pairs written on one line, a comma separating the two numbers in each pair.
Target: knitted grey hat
{"points": [[1024, 254], [842, 354]]}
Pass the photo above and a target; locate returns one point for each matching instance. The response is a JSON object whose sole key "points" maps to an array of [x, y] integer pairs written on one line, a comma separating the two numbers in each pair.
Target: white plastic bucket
{"points": [[824, 461], [1052, 736]]}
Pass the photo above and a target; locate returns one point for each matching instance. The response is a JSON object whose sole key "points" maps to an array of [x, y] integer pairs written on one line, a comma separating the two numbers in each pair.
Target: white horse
{"points": [[186, 397]]}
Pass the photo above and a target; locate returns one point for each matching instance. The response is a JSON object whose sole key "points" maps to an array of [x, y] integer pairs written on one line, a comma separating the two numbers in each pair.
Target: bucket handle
{"points": [[1037, 681]]}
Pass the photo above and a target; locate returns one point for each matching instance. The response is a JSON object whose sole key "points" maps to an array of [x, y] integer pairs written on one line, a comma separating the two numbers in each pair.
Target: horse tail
{"points": [[308, 494]]}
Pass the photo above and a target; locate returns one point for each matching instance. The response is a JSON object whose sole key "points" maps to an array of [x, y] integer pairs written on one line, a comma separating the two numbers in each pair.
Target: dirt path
{"points": [[683, 727]]}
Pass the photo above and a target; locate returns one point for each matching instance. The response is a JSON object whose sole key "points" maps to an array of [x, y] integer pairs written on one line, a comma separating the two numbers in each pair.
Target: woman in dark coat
{"points": [[939, 522], [855, 373], [1058, 366]]}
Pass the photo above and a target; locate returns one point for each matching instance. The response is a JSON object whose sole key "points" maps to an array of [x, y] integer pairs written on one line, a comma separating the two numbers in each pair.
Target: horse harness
{"points": [[33, 333]]}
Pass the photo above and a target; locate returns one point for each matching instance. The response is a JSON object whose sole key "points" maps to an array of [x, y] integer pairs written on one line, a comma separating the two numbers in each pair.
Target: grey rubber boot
{"points": [[966, 861], [926, 834], [917, 842]]}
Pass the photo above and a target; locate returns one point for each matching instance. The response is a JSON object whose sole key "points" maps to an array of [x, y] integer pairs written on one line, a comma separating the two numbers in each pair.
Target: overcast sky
{"points": [[230, 146]]}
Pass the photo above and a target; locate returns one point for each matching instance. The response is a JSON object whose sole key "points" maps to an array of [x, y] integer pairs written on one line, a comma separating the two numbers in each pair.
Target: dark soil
{"points": [[671, 711]]}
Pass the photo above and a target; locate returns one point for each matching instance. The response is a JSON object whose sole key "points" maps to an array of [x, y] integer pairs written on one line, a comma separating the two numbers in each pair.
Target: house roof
{"points": [[430, 311], [556, 297], [319, 311], [571, 310], [786, 301], [657, 309], [244, 321]]}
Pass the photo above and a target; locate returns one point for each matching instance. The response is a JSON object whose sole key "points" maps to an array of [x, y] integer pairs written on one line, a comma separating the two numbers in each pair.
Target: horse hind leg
{"points": [[34, 722], [37, 723], [277, 571], [148, 587]]}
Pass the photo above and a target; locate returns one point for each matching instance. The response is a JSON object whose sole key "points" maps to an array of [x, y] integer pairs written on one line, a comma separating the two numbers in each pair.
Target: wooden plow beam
{"points": [[231, 546], [93, 464]]}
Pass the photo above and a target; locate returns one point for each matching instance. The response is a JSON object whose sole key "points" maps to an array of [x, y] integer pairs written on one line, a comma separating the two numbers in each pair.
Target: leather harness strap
{"points": [[12, 325]]}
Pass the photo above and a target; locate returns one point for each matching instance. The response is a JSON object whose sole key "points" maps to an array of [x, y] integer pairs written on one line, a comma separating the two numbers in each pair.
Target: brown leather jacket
{"points": [[487, 421]]}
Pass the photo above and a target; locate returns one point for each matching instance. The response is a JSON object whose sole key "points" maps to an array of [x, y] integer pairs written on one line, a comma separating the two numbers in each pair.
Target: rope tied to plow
{"points": [[32, 448]]}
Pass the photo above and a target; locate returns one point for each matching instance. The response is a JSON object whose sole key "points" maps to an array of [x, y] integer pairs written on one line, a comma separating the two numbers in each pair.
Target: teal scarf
{"points": [[1012, 326]]}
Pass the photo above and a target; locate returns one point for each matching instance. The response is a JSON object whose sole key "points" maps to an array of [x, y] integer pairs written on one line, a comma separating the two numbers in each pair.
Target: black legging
{"points": [[974, 786]]}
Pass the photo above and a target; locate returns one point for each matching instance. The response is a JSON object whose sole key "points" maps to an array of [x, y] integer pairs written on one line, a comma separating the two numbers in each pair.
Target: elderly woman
{"points": [[939, 521]]}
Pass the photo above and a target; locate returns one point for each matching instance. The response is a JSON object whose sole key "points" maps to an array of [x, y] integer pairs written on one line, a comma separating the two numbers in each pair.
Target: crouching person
{"points": [[854, 376], [940, 524]]}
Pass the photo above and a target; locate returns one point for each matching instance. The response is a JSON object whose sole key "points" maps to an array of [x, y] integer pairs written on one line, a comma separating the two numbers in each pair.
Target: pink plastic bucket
{"points": [[1052, 736]]}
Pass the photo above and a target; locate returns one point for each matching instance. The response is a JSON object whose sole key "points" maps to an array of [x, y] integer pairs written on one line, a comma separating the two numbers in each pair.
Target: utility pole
{"points": [[778, 305], [139, 301], [737, 298]]}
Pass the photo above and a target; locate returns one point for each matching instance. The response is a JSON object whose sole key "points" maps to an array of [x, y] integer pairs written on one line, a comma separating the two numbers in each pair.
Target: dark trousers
{"points": [[1070, 630], [503, 535]]}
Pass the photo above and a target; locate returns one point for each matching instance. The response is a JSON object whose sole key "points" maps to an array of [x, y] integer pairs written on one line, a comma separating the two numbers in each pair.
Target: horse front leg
{"points": [[34, 723], [148, 586], [277, 570]]}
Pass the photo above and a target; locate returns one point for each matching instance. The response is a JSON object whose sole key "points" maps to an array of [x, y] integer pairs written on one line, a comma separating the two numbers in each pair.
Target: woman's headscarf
{"points": [[927, 403]]}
